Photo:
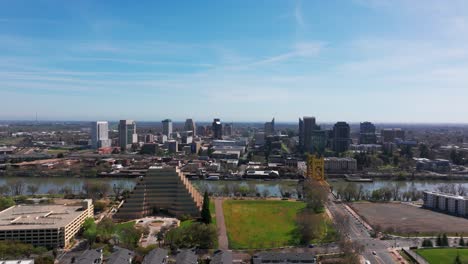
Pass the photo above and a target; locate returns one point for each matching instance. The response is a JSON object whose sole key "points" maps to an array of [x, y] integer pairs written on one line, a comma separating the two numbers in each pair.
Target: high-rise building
{"points": [[100, 134], [190, 126], [227, 129], [127, 134], [167, 127], [201, 131], [319, 141], [341, 137], [301, 133], [306, 126], [163, 189], [269, 127], [217, 129], [367, 133]]}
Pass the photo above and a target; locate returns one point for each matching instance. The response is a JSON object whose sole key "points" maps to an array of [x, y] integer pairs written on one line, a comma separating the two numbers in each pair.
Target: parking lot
{"points": [[404, 219]]}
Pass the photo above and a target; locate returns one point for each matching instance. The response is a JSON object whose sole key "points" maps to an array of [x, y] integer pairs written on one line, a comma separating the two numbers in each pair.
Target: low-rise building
{"points": [[448, 203], [44, 225], [340, 165], [283, 258], [156, 256], [226, 154], [437, 165], [187, 256]]}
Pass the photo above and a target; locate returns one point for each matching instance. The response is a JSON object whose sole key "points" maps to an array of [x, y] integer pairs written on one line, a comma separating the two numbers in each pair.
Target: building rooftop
{"points": [[283, 258], [222, 257], [120, 256], [24, 261], [187, 256], [156, 256], [38, 216]]}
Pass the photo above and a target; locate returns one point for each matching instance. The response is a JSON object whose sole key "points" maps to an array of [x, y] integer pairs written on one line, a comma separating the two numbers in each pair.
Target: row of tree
{"points": [[354, 192]]}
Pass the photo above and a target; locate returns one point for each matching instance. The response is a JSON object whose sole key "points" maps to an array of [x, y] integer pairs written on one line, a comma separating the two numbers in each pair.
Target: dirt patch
{"points": [[404, 219]]}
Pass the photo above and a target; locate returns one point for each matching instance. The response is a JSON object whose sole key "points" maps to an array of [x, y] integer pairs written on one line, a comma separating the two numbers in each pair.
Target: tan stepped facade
{"points": [[162, 189]]}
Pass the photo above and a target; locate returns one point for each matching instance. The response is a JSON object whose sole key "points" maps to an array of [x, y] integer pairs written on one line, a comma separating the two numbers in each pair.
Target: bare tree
{"points": [[32, 189], [5, 190], [16, 187]]}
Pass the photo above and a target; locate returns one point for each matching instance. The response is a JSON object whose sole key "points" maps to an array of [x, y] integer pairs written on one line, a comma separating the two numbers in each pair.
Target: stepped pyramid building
{"points": [[163, 189]]}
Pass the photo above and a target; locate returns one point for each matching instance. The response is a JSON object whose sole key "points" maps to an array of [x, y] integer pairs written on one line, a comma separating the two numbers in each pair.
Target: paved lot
{"points": [[222, 234], [404, 219]]}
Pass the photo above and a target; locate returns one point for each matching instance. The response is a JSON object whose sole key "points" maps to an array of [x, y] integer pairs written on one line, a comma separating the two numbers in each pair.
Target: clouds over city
{"points": [[351, 61]]}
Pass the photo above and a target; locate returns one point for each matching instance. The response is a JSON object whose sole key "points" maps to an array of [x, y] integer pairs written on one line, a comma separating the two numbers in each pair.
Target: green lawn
{"points": [[213, 212], [186, 223], [443, 255], [261, 224], [120, 226]]}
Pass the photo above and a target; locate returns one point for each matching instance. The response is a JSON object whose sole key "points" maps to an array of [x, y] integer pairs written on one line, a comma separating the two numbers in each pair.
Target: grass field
{"points": [[213, 212], [120, 226], [261, 224], [443, 255]]}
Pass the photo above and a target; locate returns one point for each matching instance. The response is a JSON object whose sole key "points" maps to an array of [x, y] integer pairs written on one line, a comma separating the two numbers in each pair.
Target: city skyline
{"points": [[383, 61]]}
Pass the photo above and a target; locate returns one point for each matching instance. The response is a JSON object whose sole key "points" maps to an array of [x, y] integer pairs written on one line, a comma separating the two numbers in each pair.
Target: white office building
{"points": [[100, 134], [448, 203]]}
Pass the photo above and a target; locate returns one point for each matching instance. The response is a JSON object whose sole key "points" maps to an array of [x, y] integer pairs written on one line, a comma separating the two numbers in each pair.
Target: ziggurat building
{"points": [[163, 189]]}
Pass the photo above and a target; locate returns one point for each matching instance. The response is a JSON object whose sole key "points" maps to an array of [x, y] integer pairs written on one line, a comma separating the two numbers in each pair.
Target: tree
{"points": [[105, 229], [427, 243], [461, 242], [425, 152], [129, 236], [197, 235], [315, 195], [90, 230], [16, 187], [439, 240], [205, 212], [445, 242], [4, 190], [6, 202], [32, 189], [457, 259]]}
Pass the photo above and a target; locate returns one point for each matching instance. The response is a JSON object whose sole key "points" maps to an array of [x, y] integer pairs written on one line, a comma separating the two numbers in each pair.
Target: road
{"points": [[222, 233], [359, 233]]}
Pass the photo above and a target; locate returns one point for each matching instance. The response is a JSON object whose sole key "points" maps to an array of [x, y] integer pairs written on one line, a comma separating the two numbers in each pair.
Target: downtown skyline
{"points": [[382, 61]]}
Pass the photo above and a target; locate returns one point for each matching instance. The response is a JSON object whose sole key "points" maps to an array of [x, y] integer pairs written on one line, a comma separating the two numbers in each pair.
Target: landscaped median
{"points": [[443, 255], [257, 224]]}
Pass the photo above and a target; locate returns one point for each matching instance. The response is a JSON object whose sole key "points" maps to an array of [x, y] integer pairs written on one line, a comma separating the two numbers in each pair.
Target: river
{"points": [[272, 188]]}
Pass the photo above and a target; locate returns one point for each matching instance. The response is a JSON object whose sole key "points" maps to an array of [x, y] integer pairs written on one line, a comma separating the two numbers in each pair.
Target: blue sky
{"points": [[376, 60]]}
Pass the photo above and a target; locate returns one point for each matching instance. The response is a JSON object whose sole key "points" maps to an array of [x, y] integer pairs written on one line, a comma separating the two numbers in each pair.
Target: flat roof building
{"points": [[283, 258], [44, 225]]}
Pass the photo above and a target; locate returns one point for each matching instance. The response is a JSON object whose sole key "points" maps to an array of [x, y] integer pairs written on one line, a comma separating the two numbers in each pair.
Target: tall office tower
{"points": [[127, 134], [201, 131], [301, 133], [100, 135], [163, 189], [217, 129], [308, 125], [319, 141], [190, 126], [227, 129], [367, 133], [341, 137], [270, 127], [167, 127]]}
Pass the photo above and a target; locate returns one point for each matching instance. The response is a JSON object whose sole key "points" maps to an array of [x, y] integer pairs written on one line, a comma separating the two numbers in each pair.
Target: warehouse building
{"points": [[44, 225]]}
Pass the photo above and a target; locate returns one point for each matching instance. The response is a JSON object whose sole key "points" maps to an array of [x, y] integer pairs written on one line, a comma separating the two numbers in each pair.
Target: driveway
{"points": [[222, 234]]}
